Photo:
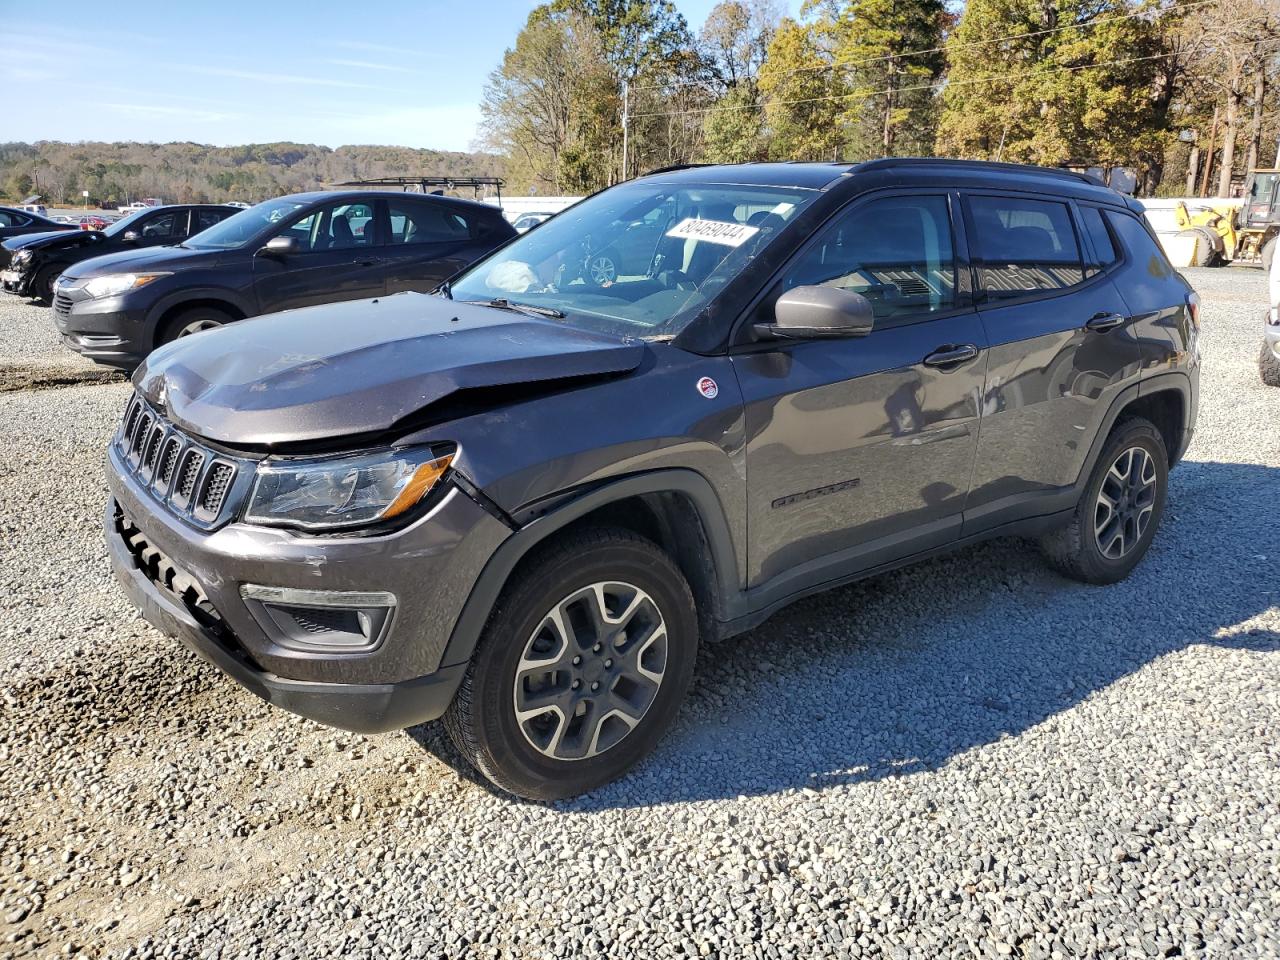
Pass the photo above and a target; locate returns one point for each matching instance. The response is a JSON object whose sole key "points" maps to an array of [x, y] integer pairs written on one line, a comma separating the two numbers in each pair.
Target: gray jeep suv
{"points": [[520, 503]]}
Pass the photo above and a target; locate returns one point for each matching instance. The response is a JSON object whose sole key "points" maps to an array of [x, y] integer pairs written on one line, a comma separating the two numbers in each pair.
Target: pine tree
{"points": [[1054, 82]]}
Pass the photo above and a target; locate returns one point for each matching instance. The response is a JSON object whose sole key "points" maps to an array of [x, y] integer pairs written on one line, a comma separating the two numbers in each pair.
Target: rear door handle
{"points": [[368, 261], [951, 355], [1102, 322]]}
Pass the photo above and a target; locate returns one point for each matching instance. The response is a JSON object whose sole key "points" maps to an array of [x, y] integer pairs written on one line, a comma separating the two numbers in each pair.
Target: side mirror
{"points": [[131, 236], [805, 312], [280, 247]]}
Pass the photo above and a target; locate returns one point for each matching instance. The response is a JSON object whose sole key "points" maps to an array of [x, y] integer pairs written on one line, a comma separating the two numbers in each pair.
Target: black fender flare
{"points": [[493, 578], [1177, 381]]}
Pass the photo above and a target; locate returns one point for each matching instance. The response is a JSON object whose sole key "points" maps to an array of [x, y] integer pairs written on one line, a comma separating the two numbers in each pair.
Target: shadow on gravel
{"points": [[901, 673]]}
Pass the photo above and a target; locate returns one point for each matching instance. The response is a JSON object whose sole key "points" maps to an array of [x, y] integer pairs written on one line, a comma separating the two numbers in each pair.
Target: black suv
{"points": [[290, 252], [36, 261], [522, 503]]}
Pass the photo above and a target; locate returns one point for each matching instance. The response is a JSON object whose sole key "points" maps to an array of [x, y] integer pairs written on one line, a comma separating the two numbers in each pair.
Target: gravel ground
{"points": [[33, 357], [972, 757]]}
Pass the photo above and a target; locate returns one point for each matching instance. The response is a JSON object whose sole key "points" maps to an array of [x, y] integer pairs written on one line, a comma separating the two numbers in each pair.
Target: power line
{"points": [[923, 86], [951, 46]]}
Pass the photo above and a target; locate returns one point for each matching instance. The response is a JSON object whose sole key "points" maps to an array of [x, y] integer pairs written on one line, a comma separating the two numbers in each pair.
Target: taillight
{"points": [[1193, 304]]}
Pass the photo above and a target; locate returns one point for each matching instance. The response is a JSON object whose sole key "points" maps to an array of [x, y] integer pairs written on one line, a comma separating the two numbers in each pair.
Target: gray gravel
{"points": [[972, 757], [32, 355]]}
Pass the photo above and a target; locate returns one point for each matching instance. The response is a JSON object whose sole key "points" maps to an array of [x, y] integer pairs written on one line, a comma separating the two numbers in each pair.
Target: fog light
{"points": [[336, 621]]}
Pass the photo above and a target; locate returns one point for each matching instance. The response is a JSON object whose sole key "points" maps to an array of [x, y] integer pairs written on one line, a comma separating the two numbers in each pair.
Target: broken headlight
{"points": [[344, 491]]}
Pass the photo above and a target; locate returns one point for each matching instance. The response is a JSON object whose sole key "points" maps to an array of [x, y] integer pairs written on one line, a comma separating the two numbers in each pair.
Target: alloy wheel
{"points": [[590, 671], [1126, 501], [195, 326], [603, 270]]}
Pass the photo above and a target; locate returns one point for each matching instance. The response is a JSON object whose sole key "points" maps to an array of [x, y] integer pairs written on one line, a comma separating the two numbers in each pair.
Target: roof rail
{"points": [[887, 163], [680, 166]]}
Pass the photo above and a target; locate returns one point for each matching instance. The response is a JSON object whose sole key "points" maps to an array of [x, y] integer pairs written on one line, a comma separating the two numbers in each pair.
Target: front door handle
{"points": [[951, 355], [1102, 322], [368, 261]]}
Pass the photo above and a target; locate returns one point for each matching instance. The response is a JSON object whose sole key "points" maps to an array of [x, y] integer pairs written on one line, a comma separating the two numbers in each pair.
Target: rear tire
{"points": [[192, 321], [1118, 513], [1269, 366], [560, 697]]}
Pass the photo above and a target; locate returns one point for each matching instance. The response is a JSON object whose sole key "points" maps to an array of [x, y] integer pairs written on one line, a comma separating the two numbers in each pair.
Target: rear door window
{"points": [[895, 251], [204, 219], [413, 223], [1023, 247]]}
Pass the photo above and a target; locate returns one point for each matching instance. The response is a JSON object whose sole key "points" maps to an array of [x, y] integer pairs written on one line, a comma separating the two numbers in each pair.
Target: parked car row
{"points": [[168, 271]]}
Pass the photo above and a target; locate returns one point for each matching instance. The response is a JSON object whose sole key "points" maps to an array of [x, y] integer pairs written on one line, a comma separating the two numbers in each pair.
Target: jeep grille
{"points": [[192, 481]]}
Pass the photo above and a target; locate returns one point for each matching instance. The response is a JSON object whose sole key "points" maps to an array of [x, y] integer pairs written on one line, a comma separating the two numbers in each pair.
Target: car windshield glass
{"points": [[641, 259], [125, 223], [239, 228]]}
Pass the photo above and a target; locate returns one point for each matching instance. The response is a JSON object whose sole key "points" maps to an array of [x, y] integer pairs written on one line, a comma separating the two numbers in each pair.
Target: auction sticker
{"points": [[708, 388], [713, 231]]}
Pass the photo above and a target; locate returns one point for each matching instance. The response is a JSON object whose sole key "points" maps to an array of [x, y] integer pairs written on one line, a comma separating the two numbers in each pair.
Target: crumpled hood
{"points": [[361, 366]]}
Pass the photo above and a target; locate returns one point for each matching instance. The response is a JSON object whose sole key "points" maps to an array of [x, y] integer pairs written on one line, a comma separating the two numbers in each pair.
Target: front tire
{"points": [[193, 321], [42, 285], [1117, 516], [581, 668]]}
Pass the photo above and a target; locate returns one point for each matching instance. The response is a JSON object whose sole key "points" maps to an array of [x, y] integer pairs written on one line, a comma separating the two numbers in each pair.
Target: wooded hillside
{"points": [[178, 172]]}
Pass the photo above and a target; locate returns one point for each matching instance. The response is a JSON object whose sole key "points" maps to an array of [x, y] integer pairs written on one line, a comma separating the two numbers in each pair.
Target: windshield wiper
{"points": [[502, 303], [445, 290]]}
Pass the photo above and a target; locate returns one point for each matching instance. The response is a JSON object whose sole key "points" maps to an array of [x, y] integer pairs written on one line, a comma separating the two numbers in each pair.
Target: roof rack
{"points": [[886, 163], [422, 183]]}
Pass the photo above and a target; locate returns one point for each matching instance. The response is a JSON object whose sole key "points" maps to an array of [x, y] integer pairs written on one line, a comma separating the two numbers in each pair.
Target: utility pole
{"points": [[1208, 155], [626, 116]]}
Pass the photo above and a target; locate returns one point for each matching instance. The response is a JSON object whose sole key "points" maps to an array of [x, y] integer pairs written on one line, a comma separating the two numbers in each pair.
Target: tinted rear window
{"points": [[1024, 246]]}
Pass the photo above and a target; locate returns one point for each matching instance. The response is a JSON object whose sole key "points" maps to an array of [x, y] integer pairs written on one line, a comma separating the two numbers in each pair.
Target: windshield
{"points": [[124, 223], [1263, 185], [639, 259], [240, 228]]}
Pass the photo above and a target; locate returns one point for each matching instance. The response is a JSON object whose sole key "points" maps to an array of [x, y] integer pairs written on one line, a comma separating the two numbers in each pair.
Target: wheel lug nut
{"points": [[595, 686], [597, 648], [577, 661], [608, 663], [576, 684]]}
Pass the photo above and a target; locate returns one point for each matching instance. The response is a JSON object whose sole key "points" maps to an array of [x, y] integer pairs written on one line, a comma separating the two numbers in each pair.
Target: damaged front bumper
{"points": [[217, 592]]}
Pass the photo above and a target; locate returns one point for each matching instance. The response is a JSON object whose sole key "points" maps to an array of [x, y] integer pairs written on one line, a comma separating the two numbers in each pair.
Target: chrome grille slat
{"points": [[192, 481]]}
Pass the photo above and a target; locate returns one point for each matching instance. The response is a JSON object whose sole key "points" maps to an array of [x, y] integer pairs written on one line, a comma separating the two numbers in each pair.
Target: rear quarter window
{"points": [[1142, 248], [1104, 251]]}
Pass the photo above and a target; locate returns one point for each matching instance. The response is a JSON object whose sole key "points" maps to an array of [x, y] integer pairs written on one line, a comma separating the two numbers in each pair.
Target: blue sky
{"points": [[231, 71]]}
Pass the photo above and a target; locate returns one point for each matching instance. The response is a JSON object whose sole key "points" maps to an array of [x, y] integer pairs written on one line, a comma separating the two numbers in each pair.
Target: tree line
{"points": [[116, 173], [594, 91]]}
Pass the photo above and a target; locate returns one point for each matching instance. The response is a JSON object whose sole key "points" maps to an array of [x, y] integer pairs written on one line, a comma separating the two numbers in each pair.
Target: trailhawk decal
{"points": [[713, 231]]}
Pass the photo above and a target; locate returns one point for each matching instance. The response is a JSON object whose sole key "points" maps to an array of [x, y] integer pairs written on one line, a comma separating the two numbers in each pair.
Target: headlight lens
{"points": [[345, 491], [22, 256], [114, 284]]}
